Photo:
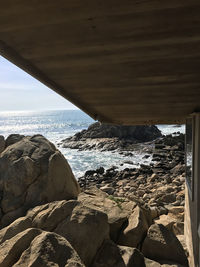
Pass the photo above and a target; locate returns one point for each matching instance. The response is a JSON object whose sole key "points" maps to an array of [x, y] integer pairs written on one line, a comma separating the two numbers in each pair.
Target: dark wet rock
{"points": [[140, 133], [90, 172], [146, 156], [100, 170], [128, 154], [170, 140], [111, 137], [129, 162]]}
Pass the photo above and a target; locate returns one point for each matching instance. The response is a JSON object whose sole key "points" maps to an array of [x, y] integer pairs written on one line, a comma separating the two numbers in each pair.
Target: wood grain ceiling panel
{"points": [[128, 62]]}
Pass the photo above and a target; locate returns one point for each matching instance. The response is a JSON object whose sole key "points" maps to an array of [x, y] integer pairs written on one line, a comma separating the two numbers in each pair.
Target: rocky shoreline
{"points": [[166, 171], [133, 217], [159, 186]]}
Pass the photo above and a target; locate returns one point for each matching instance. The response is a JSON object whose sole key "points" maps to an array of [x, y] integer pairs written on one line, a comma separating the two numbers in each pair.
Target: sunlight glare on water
{"points": [[59, 124]]}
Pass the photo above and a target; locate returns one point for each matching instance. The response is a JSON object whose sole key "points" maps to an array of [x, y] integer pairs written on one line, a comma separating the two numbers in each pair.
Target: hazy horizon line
{"points": [[37, 110]]}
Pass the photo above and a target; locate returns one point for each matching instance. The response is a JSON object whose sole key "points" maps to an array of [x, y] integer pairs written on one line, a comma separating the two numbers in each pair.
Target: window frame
{"points": [[190, 185]]}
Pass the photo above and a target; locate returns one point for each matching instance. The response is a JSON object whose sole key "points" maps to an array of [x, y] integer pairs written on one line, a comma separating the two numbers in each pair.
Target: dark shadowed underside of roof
{"points": [[122, 62]]}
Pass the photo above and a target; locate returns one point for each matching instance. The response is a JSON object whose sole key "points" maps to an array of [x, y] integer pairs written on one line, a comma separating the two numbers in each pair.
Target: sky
{"points": [[20, 91]]}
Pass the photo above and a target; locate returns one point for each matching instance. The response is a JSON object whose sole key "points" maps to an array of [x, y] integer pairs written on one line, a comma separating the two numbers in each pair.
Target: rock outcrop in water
{"points": [[92, 228], [139, 133], [111, 137]]}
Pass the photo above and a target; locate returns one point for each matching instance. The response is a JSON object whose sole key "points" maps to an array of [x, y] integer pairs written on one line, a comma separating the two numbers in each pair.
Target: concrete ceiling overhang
{"points": [[122, 62]]}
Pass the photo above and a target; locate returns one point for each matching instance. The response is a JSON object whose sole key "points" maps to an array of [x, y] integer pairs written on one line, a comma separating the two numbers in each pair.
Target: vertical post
{"points": [[192, 198], [197, 180]]}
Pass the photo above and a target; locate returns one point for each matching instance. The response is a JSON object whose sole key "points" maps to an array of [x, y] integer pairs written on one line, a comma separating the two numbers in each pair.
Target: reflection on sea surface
{"points": [[189, 152], [59, 124]]}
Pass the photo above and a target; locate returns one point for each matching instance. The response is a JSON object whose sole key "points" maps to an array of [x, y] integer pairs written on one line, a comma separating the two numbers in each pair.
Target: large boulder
{"points": [[141, 133], [16, 227], [34, 247], [118, 210], [172, 222], [83, 227], [134, 233], [161, 244], [110, 255], [33, 172]]}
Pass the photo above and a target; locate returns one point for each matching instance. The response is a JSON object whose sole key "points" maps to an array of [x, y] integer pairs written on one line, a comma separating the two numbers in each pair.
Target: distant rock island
{"points": [[110, 137]]}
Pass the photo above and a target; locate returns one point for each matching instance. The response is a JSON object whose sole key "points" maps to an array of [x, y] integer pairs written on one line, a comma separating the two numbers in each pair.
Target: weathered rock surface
{"points": [[136, 230], [103, 225], [111, 255], [50, 249], [140, 133], [34, 247], [161, 244], [111, 137], [159, 188], [2, 143], [83, 227], [13, 138], [12, 248], [118, 210], [18, 226], [151, 263], [174, 220], [33, 172], [86, 227]]}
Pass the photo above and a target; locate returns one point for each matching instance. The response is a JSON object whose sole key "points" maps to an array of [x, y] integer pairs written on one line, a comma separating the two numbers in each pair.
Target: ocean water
{"points": [[59, 124]]}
